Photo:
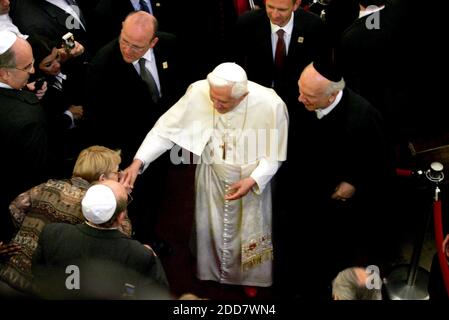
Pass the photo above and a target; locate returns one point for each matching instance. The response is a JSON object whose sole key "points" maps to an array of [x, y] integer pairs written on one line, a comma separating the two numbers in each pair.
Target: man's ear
{"points": [[4, 74], [102, 177], [153, 42], [243, 97], [121, 216]]}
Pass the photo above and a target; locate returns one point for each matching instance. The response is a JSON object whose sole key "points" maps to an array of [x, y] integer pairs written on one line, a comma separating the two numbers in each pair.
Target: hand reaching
{"points": [[130, 174]]}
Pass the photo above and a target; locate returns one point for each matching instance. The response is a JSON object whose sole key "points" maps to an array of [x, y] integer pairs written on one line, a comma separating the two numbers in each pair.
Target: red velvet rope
{"points": [[404, 172], [439, 236]]}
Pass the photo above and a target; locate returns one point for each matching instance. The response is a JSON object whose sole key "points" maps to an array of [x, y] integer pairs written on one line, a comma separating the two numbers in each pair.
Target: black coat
{"points": [[349, 144], [23, 141], [107, 260], [370, 59]]}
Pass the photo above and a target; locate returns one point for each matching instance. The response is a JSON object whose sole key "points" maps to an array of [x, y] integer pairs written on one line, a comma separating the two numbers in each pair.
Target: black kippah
{"points": [[328, 69]]}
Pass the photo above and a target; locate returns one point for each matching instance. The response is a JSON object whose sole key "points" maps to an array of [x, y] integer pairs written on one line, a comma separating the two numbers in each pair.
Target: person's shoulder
{"points": [[359, 106], [260, 93], [56, 229], [252, 17], [305, 17], [106, 54], [20, 107], [166, 36], [138, 251], [18, 96]]}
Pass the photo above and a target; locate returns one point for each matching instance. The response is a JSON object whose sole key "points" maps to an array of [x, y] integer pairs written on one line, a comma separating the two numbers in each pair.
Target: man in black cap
{"points": [[342, 182]]}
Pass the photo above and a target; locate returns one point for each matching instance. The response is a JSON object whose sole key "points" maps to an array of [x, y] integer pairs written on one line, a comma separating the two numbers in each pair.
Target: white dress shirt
{"points": [[150, 64]]}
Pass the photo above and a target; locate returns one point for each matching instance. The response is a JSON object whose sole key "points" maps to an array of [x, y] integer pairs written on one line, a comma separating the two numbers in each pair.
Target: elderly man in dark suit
{"points": [[340, 204], [23, 134], [132, 81]]}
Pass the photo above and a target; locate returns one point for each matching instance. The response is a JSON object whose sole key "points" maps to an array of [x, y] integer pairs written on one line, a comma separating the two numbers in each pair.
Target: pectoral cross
{"points": [[223, 146]]}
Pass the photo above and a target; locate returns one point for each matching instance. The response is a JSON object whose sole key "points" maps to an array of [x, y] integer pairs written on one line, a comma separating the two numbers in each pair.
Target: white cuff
{"points": [[263, 174]]}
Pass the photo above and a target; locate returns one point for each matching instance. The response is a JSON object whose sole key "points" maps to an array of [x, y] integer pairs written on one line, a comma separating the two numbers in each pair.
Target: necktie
{"points": [[77, 9], [280, 53], [146, 76], [145, 7]]}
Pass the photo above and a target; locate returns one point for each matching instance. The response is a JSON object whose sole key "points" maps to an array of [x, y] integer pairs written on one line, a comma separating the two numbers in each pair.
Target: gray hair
{"points": [[8, 59], [348, 286], [335, 86]]}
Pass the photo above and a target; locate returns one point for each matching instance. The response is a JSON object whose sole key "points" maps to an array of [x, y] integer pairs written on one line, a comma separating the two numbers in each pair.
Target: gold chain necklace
{"points": [[223, 146]]}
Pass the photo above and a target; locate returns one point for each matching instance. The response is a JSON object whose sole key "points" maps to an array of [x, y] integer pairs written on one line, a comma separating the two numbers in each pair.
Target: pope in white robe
{"points": [[238, 129]]}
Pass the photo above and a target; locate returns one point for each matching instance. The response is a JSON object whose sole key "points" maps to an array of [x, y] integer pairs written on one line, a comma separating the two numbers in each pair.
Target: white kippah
{"points": [[230, 71], [99, 204], [7, 39]]}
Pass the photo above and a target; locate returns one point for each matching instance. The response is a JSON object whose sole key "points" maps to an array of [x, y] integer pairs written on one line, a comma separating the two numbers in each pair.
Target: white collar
{"points": [[147, 56], [320, 113], [4, 85]]}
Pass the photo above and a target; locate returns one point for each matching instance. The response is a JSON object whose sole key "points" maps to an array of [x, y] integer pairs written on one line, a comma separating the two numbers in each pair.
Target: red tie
{"points": [[280, 54], [241, 6]]}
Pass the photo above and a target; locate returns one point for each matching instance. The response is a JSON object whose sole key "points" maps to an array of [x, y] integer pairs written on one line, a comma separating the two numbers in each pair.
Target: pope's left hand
{"points": [[240, 188]]}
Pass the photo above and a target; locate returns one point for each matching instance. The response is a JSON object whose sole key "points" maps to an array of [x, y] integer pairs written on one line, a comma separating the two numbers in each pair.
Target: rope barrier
{"points": [[439, 236]]}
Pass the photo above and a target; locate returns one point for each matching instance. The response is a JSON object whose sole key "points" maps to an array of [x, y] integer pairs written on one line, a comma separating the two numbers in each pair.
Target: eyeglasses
{"points": [[118, 173], [131, 46], [28, 68], [130, 199]]}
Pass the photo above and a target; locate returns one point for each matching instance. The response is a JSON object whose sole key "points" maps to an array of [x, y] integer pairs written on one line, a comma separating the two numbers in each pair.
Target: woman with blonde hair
{"points": [[55, 201]]}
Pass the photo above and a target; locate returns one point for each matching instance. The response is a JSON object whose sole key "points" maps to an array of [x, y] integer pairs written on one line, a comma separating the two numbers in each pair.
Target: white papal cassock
{"points": [[233, 237]]}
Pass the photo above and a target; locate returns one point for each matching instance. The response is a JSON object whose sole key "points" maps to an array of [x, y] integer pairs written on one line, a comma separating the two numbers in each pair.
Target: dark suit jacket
{"points": [[42, 17], [23, 141], [370, 60], [253, 50], [119, 108], [107, 261]]}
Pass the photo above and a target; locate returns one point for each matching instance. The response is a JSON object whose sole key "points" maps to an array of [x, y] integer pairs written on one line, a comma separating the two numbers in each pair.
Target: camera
{"points": [[68, 41], [39, 83]]}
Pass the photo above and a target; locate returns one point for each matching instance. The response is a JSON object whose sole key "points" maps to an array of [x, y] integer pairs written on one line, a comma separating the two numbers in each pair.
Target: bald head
{"points": [[140, 21], [138, 35]]}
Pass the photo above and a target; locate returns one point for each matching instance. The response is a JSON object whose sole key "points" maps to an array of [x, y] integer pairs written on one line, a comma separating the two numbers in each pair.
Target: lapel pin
{"points": [[158, 4], [165, 65], [300, 39]]}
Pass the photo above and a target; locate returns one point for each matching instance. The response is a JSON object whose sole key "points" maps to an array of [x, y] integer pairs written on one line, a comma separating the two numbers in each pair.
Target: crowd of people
{"points": [[290, 112]]}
